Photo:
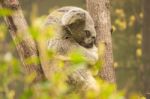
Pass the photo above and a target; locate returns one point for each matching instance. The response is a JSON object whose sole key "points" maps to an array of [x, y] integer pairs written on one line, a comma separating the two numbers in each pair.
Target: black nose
{"points": [[94, 40], [93, 37]]}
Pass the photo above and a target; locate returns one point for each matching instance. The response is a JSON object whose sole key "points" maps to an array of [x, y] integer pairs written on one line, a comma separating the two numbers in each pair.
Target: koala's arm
{"points": [[80, 79], [91, 54]]}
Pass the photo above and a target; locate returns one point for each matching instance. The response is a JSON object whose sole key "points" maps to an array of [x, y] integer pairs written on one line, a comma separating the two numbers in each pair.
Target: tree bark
{"points": [[25, 44], [99, 10], [146, 50]]}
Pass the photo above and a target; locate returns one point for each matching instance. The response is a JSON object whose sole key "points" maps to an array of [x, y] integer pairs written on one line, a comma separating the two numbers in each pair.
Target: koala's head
{"points": [[80, 26]]}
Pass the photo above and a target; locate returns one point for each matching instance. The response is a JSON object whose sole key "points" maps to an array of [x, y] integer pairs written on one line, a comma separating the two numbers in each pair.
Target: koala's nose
{"points": [[93, 39]]}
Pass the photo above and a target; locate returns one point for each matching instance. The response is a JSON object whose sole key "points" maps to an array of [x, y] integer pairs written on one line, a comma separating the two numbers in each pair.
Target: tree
{"points": [[99, 10], [146, 50], [25, 44]]}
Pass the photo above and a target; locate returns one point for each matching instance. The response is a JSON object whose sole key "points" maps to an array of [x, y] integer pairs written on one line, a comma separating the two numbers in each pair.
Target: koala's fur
{"points": [[75, 31]]}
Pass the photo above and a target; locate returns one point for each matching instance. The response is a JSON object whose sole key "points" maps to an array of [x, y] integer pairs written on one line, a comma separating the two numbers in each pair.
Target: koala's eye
{"points": [[88, 34], [66, 37]]}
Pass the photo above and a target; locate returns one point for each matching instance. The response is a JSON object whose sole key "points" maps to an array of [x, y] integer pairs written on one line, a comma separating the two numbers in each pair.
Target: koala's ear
{"points": [[74, 18]]}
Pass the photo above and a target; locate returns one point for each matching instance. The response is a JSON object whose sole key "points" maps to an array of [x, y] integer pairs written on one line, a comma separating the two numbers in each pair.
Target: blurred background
{"points": [[127, 39]]}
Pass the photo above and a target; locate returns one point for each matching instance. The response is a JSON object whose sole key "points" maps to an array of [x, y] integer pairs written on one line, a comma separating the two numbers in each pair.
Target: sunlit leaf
{"points": [[139, 52], [8, 57], [3, 30], [11, 94], [115, 64], [132, 20], [122, 24], [27, 94], [77, 57], [5, 12], [120, 12], [139, 36], [141, 15], [30, 78]]}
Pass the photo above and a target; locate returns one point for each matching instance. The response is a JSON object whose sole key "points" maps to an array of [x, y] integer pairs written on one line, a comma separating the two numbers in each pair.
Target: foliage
{"points": [[126, 42], [127, 19], [14, 84], [5, 12]]}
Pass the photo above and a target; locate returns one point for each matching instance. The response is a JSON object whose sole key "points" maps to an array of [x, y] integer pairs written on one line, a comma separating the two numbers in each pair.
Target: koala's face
{"points": [[84, 32], [76, 23], [89, 39], [90, 32]]}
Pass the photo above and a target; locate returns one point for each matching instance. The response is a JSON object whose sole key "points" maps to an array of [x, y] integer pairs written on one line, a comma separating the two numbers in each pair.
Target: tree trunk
{"points": [[99, 10], [146, 49], [25, 44]]}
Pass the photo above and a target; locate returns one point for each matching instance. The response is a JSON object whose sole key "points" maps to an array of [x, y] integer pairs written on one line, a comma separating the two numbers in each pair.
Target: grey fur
{"points": [[75, 32]]}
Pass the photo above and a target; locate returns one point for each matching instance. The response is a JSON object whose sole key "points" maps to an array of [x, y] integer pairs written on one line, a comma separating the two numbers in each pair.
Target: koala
{"points": [[74, 31]]}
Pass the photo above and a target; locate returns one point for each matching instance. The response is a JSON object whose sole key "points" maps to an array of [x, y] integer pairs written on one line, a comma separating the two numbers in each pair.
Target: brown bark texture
{"points": [[146, 50], [25, 44], [99, 10]]}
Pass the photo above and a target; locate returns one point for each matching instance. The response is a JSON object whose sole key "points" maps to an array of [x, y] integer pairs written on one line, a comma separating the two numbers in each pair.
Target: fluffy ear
{"points": [[74, 18]]}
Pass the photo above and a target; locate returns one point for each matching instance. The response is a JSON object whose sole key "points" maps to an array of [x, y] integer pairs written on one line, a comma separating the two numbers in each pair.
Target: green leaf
{"points": [[77, 58], [27, 94], [5, 12]]}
